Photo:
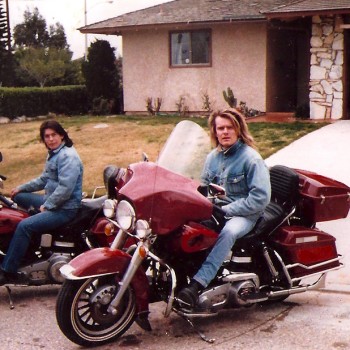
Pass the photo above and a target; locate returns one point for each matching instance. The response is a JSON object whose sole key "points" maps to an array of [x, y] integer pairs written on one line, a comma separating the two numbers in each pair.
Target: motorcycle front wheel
{"points": [[81, 310]]}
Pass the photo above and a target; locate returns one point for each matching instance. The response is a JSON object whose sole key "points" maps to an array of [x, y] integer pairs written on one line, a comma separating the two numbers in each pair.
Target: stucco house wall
{"points": [[238, 62]]}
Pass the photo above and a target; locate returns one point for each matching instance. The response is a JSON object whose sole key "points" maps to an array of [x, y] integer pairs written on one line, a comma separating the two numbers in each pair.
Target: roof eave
{"points": [[281, 15], [117, 30]]}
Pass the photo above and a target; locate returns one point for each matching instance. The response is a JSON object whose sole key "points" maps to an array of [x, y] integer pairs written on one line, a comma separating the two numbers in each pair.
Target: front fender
{"points": [[96, 262], [104, 261]]}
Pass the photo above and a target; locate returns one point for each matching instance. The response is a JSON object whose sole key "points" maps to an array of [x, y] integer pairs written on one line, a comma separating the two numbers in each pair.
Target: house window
{"points": [[190, 48]]}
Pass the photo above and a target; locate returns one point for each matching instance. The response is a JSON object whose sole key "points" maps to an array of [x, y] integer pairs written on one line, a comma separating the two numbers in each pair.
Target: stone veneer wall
{"points": [[326, 74]]}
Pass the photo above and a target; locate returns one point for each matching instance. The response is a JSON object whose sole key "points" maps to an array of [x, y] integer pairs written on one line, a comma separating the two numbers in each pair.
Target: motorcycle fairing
{"points": [[104, 261], [98, 231], [158, 193], [196, 237]]}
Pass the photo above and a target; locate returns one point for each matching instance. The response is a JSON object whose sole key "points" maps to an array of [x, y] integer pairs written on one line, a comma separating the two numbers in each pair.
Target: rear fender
{"points": [[104, 261]]}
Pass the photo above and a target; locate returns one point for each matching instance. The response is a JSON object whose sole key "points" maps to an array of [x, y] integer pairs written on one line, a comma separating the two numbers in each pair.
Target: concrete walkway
{"points": [[325, 151]]}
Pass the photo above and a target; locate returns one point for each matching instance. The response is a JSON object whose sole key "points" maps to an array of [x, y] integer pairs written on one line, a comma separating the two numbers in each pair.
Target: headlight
{"points": [[125, 215], [109, 208], [142, 228]]}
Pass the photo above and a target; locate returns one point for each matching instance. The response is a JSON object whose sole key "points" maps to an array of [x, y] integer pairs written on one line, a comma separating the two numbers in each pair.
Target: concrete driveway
{"points": [[325, 151]]}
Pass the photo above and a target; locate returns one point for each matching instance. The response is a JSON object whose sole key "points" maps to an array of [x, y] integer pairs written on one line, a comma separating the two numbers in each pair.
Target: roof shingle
{"points": [[204, 11]]}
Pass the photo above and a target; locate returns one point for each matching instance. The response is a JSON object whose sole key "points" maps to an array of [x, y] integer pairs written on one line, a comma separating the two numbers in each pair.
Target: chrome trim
{"points": [[296, 279], [269, 262], [67, 271], [119, 239], [320, 283], [96, 189], [171, 299], [134, 264], [242, 276], [290, 266], [183, 313], [241, 259], [64, 244], [285, 270]]}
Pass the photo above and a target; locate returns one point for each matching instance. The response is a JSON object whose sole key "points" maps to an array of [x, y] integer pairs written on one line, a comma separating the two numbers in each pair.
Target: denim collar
{"points": [[52, 152], [231, 150]]}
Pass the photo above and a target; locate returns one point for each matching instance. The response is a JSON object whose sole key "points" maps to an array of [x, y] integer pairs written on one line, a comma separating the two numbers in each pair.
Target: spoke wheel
{"points": [[82, 315]]}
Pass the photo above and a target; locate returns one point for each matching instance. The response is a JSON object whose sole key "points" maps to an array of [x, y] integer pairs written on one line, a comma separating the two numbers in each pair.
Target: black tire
{"points": [[81, 310]]}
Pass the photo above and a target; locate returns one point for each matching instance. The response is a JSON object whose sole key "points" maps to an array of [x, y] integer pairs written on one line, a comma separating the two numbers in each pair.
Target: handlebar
{"points": [[8, 202]]}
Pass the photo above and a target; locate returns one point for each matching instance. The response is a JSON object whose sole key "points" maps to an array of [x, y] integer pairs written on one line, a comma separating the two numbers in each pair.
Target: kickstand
{"points": [[203, 336], [12, 306]]}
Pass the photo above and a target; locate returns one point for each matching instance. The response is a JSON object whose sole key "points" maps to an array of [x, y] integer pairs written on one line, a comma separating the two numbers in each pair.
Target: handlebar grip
{"points": [[6, 201]]}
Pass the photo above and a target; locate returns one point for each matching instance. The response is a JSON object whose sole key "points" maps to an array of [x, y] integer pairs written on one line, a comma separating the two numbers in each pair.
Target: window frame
{"points": [[191, 32]]}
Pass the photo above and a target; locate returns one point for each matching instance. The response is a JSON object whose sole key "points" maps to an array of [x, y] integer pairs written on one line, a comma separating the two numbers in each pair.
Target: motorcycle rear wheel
{"points": [[81, 310]]}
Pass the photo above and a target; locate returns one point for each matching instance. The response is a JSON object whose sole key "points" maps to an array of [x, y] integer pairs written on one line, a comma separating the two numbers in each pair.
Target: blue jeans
{"points": [[235, 228], [36, 224]]}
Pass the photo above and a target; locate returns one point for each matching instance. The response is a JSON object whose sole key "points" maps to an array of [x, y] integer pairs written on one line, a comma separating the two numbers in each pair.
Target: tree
{"points": [[57, 37], [32, 32], [101, 74], [43, 55], [45, 65]]}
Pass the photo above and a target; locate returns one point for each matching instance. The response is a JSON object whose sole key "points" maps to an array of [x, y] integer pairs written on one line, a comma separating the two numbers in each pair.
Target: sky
{"points": [[70, 13]]}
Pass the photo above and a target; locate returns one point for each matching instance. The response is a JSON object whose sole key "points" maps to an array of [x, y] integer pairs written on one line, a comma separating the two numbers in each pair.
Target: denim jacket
{"points": [[61, 179], [244, 175]]}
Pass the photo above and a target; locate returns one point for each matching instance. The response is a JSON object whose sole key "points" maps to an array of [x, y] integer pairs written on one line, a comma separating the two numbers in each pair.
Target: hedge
{"points": [[33, 101]]}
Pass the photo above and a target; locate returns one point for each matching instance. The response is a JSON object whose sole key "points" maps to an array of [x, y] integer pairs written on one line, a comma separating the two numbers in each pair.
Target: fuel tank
{"points": [[9, 219]]}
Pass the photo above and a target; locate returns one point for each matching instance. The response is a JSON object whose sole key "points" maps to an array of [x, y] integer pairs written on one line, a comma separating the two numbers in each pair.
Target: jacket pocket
{"points": [[236, 184], [51, 171]]}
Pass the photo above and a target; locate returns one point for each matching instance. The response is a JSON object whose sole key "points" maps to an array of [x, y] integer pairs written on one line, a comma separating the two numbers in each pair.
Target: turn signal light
{"points": [[109, 229], [142, 251]]}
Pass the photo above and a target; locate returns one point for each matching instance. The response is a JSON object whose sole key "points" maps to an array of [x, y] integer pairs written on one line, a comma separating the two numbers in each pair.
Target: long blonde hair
{"points": [[239, 124]]}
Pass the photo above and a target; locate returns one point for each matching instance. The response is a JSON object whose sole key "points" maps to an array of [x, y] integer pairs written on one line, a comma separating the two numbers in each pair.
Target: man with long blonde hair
{"points": [[235, 165]]}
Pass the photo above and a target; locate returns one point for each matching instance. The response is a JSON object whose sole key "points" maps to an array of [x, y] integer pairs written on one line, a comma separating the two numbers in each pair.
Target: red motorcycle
{"points": [[167, 223], [50, 251]]}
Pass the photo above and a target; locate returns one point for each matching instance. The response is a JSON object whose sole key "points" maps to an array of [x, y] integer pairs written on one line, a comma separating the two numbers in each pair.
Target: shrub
{"points": [[32, 101]]}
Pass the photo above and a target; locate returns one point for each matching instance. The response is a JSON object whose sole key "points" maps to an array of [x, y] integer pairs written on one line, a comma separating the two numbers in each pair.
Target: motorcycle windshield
{"points": [[185, 150]]}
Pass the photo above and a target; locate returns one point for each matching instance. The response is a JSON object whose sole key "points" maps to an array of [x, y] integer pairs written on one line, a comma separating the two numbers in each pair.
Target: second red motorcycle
{"points": [[48, 252]]}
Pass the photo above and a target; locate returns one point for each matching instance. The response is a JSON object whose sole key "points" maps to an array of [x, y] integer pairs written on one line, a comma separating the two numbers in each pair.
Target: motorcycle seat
{"points": [[284, 197], [273, 216], [88, 208], [92, 204]]}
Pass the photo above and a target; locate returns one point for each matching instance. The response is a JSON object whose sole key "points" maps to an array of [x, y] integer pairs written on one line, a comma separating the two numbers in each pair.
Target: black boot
{"points": [[3, 278], [188, 296], [11, 277]]}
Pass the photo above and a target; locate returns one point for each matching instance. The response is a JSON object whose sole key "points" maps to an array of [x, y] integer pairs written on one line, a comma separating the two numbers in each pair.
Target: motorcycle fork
{"points": [[120, 238], [139, 255]]}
